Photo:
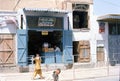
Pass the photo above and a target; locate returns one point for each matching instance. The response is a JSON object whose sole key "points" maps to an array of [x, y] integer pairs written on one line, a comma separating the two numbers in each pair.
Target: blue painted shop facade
{"points": [[39, 31]]}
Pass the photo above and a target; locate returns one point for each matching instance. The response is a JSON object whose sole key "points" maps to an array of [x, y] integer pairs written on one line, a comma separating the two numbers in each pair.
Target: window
{"points": [[81, 51], [80, 16], [114, 28], [80, 19], [85, 54], [21, 26]]}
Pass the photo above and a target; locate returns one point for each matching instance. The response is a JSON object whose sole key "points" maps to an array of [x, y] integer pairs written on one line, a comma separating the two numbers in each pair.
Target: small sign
{"points": [[46, 21], [44, 32], [101, 27]]}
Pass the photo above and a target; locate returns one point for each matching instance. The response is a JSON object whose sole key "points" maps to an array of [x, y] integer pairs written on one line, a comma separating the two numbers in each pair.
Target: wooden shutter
{"points": [[22, 47], [7, 49]]}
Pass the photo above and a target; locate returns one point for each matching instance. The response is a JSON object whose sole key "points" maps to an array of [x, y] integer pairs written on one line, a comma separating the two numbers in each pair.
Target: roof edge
{"points": [[109, 16], [46, 10]]}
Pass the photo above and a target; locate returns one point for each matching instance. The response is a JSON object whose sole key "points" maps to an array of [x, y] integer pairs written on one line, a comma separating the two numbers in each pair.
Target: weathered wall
{"points": [[14, 5]]}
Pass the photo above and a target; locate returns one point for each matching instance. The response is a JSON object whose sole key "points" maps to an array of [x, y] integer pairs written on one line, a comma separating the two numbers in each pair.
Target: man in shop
{"points": [[56, 52], [56, 49]]}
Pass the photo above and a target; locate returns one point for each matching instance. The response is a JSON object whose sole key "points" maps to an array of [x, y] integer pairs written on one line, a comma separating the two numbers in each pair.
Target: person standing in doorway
{"points": [[56, 49], [37, 69]]}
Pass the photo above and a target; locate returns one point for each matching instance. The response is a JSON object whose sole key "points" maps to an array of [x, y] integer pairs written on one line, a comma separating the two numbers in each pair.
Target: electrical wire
{"points": [[16, 4]]}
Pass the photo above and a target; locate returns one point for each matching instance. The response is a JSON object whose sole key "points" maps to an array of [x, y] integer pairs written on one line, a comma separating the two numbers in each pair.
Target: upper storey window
{"points": [[80, 16]]}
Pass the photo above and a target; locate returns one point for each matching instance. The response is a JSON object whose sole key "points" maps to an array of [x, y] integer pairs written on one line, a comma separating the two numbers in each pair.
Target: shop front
{"points": [[44, 32], [112, 33]]}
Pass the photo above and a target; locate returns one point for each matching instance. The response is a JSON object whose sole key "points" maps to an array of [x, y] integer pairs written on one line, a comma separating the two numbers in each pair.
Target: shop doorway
{"points": [[38, 39]]}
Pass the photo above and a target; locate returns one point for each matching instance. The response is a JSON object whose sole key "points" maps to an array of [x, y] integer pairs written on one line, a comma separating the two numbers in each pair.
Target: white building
{"points": [[81, 37], [8, 27], [111, 36]]}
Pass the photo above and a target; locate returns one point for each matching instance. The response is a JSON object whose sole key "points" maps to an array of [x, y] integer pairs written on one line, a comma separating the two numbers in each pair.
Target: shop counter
{"points": [[51, 57]]}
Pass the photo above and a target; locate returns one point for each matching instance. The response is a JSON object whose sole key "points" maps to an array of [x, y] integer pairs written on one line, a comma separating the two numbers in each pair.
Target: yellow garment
{"points": [[37, 64], [37, 68]]}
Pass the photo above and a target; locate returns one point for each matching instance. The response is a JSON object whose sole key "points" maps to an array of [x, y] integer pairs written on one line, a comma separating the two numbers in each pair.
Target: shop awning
{"points": [[44, 10], [110, 18]]}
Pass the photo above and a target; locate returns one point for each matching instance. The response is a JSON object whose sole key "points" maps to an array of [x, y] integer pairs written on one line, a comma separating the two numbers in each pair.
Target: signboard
{"points": [[46, 21], [101, 27]]}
